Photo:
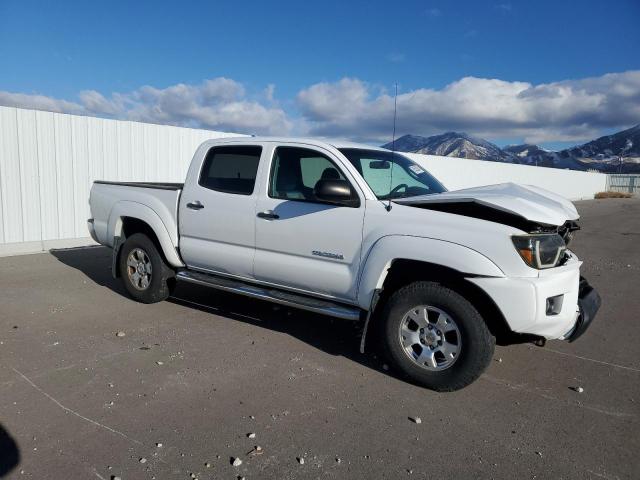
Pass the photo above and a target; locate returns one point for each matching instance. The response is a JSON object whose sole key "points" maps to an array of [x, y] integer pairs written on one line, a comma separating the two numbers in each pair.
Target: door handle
{"points": [[269, 215], [195, 205]]}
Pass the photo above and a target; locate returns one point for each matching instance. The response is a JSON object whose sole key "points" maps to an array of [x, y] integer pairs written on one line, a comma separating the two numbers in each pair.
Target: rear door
{"points": [[217, 211], [302, 243]]}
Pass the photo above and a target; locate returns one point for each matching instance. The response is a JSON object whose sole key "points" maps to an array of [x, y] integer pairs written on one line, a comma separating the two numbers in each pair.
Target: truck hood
{"points": [[533, 204]]}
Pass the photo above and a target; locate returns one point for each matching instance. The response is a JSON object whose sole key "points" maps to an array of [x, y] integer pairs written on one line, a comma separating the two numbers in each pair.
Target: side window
{"points": [[296, 171], [231, 169]]}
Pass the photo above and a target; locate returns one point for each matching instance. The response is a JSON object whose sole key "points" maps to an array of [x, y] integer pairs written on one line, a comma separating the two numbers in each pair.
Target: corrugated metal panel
{"points": [[66, 189], [29, 175], [48, 169], [81, 181], [10, 176], [96, 148], [137, 152], [110, 151], [151, 153], [123, 141]]}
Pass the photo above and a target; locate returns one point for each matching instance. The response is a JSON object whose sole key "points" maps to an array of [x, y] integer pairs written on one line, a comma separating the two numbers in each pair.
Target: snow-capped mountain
{"points": [[452, 144], [528, 151], [623, 144], [601, 154]]}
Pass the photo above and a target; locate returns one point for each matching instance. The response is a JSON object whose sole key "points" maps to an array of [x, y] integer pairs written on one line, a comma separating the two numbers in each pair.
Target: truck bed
{"points": [[156, 203]]}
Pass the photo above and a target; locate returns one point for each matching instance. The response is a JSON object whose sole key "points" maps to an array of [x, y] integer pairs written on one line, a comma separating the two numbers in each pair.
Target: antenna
{"points": [[393, 145]]}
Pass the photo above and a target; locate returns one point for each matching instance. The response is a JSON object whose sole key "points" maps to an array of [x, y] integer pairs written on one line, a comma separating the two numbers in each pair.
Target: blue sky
{"points": [[327, 68]]}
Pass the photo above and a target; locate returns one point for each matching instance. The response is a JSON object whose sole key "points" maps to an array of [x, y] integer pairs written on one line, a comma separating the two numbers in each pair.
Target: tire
{"points": [[454, 346], [138, 250]]}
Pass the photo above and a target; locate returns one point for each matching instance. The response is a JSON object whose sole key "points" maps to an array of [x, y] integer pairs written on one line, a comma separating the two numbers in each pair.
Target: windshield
{"points": [[405, 179]]}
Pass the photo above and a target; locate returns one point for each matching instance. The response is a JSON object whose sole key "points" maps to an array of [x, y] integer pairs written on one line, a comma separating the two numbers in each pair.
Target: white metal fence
{"points": [[624, 183], [457, 173], [49, 160]]}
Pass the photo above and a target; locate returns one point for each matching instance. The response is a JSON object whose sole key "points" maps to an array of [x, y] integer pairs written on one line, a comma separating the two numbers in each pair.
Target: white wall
{"points": [[457, 173], [49, 160]]}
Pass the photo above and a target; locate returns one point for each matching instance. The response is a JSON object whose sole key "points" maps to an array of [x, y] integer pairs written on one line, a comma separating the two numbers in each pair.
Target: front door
{"points": [[217, 212], [302, 243]]}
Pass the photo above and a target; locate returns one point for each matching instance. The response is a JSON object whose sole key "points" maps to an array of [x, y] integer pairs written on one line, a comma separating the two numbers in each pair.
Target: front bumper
{"points": [[523, 301], [588, 305]]}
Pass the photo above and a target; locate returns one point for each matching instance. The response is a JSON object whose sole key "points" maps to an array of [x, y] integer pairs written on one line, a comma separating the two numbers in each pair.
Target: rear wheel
{"points": [[435, 337], [145, 274]]}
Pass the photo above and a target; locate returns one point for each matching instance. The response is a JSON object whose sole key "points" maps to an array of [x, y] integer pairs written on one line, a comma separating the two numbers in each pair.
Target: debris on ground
{"points": [[143, 460], [120, 334], [578, 389], [417, 420], [257, 450], [159, 362], [236, 462], [159, 445], [300, 460], [207, 465], [251, 435]]}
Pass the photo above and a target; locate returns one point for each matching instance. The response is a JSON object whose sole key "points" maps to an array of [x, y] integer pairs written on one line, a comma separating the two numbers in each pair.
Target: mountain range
{"points": [[619, 152]]}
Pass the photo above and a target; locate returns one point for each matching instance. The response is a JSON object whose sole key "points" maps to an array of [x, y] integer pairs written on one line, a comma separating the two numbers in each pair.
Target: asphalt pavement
{"points": [[180, 393]]}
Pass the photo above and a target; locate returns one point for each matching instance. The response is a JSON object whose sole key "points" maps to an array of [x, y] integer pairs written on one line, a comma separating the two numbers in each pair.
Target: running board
{"points": [[325, 307]]}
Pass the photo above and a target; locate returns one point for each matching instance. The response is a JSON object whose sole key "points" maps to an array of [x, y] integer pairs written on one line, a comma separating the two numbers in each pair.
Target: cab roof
{"points": [[336, 143]]}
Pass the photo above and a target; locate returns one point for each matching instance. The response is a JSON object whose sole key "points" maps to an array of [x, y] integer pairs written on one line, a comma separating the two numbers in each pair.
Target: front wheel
{"points": [[144, 272], [436, 337]]}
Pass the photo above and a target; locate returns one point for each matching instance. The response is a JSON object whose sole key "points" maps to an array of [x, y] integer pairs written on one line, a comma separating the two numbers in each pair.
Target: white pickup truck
{"points": [[358, 233]]}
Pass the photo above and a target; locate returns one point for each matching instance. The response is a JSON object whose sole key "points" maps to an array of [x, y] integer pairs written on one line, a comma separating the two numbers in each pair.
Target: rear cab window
{"points": [[231, 169]]}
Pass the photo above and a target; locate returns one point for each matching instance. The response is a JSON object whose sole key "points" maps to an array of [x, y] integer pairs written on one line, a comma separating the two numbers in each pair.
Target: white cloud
{"points": [[38, 102], [95, 102], [269, 92], [567, 110], [571, 110], [218, 103]]}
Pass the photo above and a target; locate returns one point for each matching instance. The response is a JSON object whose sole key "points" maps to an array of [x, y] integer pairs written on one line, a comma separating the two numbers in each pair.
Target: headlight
{"points": [[540, 251]]}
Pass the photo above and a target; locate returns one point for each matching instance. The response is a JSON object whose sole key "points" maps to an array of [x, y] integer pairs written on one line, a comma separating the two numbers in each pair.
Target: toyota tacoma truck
{"points": [[357, 233]]}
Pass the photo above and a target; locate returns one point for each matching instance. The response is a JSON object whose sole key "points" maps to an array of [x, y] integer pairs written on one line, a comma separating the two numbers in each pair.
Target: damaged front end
{"points": [[527, 208], [566, 230], [565, 303], [530, 209], [589, 303]]}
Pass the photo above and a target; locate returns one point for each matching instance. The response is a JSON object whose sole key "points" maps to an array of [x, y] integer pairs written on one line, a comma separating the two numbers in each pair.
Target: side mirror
{"points": [[336, 192]]}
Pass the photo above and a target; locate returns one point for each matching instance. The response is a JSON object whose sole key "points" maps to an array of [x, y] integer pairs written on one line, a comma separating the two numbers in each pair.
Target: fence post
{"points": [[632, 184]]}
